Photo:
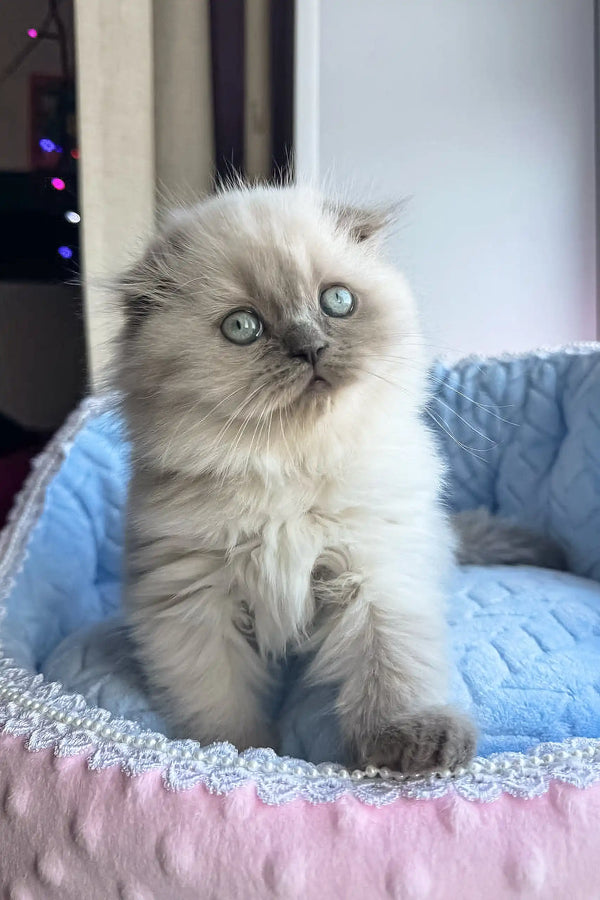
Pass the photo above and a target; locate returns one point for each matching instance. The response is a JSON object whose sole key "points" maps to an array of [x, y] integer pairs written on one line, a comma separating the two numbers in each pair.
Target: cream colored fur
{"points": [[266, 518]]}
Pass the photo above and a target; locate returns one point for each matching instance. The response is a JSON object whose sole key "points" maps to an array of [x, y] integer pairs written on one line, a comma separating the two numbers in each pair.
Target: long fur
{"points": [[484, 539], [265, 516]]}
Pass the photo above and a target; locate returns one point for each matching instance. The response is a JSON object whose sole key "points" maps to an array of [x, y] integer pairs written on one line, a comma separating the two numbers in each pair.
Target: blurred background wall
{"points": [[482, 115]]}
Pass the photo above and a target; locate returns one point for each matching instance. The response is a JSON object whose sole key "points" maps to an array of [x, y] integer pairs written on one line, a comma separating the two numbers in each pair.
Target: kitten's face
{"points": [[266, 302]]}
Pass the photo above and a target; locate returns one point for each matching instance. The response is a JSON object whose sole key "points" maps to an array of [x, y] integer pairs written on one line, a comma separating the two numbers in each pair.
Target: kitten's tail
{"points": [[485, 540]]}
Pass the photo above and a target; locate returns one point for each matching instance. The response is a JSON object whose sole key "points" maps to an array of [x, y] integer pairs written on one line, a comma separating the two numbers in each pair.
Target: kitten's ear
{"points": [[137, 295], [144, 287], [136, 307], [362, 224]]}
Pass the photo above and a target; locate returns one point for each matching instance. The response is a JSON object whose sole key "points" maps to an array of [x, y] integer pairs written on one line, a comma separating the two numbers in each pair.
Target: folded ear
{"points": [[362, 224], [137, 307], [145, 286], [136, 289]]}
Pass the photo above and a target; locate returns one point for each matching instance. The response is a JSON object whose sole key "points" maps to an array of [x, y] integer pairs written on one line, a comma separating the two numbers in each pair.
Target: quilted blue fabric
{"points": [[522, 437], [530, 434]]}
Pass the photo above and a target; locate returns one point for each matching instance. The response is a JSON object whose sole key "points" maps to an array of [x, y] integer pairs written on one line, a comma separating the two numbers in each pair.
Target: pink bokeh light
{"points": [[58, 184], [32, 32]]}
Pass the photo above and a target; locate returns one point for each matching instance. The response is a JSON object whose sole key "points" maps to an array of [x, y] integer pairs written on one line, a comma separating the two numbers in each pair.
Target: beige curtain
{"points": [[115, 70], [144, 114]]}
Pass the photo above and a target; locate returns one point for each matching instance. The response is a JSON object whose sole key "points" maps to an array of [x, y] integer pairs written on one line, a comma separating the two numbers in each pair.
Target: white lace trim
{"points": [[45, 716]]}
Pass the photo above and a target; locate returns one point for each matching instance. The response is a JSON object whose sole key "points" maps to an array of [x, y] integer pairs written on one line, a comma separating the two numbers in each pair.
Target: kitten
{"points": [[285, 489]]}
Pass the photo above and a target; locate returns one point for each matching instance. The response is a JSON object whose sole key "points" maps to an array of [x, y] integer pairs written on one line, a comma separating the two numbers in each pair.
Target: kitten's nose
{"points": [[309, 353], [305, 342]]}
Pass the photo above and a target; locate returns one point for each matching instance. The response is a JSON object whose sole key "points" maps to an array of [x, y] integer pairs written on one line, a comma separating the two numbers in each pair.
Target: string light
{"points": [[53, 28]]}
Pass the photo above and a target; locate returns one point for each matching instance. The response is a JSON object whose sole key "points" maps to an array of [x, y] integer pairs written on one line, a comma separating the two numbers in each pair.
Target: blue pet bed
{"points": [[522, 437]]}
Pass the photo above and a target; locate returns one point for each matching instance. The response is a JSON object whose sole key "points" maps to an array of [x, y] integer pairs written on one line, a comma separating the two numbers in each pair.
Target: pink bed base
{"points": [[69, 832]]}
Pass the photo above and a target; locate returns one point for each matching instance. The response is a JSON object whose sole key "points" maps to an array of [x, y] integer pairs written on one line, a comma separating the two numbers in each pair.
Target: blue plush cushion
{"points": [[526, 649], [72, 571], [522, 437]]}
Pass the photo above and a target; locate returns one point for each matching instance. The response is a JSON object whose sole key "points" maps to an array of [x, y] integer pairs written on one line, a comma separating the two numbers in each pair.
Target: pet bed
{"points": [[96, 800]]}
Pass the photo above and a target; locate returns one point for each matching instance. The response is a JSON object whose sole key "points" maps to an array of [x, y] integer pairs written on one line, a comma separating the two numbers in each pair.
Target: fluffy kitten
{"points": [[285, 489]]}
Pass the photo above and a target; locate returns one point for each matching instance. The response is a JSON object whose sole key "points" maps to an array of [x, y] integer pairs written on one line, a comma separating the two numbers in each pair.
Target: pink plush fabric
{"points": [[67, 832]]}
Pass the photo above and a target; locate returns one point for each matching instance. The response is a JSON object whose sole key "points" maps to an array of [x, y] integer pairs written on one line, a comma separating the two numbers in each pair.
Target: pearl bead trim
{"points": [[99, 730]]}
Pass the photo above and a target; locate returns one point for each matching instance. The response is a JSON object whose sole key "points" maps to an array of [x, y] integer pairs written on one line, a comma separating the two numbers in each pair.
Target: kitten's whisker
{"points": [[182, 420], [286, 411], [383, 378], [233, 445], [256, 434], [232, 417], [483, 406], [220, 403], [426, 342], [408, 340], [284, 437], [467, 423], [232, 450], [249, 453], [473, 450], [487, 409], [263, 424], [269, 445], [174, 435]]}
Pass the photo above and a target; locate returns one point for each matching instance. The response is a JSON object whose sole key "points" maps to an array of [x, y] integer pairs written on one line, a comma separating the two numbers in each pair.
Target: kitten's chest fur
{"points": [[296, 527], [257, 537]]}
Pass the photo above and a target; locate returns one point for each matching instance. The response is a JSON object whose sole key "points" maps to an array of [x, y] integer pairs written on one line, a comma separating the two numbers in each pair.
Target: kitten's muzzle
{"points": [[305, 342]]}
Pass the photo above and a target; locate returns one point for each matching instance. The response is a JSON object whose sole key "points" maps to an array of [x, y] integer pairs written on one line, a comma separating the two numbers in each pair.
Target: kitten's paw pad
{"points": [[434, 739]]}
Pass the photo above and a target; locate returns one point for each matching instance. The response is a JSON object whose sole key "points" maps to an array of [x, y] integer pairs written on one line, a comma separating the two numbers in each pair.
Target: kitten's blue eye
{"points": [[337, 301], [242, 327]]}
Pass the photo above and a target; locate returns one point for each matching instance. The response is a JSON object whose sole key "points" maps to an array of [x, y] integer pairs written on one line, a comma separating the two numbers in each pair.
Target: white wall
{"points": [[483, 114]]}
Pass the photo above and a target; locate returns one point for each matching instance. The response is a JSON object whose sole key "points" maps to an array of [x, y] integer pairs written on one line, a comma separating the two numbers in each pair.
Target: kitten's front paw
{"points": [[435, 738]]}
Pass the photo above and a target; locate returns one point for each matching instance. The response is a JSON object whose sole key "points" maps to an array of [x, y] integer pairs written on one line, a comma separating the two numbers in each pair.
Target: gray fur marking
{"points": [[429, 740], [486, 540]]}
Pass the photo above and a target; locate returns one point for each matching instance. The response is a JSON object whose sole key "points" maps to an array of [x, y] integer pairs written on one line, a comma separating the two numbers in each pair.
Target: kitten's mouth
{"points": [[314, 388], [318, 385]]}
